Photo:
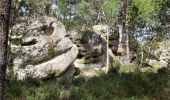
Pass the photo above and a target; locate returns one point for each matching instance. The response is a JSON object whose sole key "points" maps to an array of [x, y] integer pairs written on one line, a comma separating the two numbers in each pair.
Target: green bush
{"points": [[65, 82], [78, 93], [80, 81], [111, 86]]}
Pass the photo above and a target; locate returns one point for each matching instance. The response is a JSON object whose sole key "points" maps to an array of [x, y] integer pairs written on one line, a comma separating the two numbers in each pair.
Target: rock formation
{"points": [[160, 57], [92, 50], [40, 49]]}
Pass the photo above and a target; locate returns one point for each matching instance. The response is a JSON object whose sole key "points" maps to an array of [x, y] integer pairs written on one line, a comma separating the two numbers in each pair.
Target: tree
{"points": [[144, 21], [126, 4], [136, 15], [4, 26]]}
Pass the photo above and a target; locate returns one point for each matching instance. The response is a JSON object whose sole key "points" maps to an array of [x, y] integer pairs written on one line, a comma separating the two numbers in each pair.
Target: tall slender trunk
{"points": [[4, 27], [141, 60], [120, 50], [107, 60], [126, 29]]}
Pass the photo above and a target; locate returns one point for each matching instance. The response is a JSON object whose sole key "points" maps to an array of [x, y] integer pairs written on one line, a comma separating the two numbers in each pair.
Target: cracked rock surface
{"points": [[40, 49]]}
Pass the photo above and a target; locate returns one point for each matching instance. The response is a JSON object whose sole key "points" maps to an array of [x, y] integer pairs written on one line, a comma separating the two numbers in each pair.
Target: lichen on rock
{"points": [[41, 54]]}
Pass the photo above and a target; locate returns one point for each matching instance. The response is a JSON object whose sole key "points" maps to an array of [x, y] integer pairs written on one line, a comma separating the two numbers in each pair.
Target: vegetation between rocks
{"points": [[112, 86]]}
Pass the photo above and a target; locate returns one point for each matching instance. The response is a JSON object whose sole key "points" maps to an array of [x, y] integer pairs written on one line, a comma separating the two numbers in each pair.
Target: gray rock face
{"points": [[161, 55], [41, 49], [92, 50], [90, 43]]}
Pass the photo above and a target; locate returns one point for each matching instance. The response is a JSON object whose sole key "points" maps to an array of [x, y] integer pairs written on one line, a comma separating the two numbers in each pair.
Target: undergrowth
{"points": [[112, 86]]}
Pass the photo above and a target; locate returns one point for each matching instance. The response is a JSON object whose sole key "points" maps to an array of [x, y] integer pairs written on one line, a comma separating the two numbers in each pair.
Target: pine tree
{"points": [[126, 5], [4, 27]]}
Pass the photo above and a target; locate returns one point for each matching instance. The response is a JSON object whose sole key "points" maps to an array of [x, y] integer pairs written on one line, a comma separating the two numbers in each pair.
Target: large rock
{"points": [[160, 57], [113, 35], [92, 57], [92, 49], [41, 49]]}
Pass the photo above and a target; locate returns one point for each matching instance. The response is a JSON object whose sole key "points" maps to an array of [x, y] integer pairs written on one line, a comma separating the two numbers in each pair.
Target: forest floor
{"points": [[111, 86]]}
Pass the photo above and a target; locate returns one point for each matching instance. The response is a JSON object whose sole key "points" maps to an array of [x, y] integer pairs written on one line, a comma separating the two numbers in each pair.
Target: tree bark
{"points": [[4, 28], [126, 29]]}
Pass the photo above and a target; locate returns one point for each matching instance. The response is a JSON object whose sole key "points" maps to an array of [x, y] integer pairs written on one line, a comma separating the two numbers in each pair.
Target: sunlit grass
{"points": [[112, 86]]}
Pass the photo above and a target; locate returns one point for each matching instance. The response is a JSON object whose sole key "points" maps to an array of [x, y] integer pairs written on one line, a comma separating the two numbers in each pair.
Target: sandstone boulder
{"points": [[92, 57], [41, 49], [160, 57]]}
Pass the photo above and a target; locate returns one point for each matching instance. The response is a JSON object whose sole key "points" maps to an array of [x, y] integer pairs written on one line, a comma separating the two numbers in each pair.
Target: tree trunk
{"points": [[107, 59], [120, 49], [141, 60], [126, 29], [4, 27]]}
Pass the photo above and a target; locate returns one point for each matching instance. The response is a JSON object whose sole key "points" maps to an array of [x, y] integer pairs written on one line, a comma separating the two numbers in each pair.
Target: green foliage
{"points": [[145, 7], [31, 4], [164, 12], [79, 94], [80, 81], [111, 8], [51, 50], [45, 1], [145, 11], [86, 11], [64, 7], [83, 11], [79, 8], [112, 86], [65, 82]]}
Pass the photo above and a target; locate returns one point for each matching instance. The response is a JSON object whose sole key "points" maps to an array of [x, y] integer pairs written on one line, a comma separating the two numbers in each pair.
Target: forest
{"points": [[84, 49]]}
